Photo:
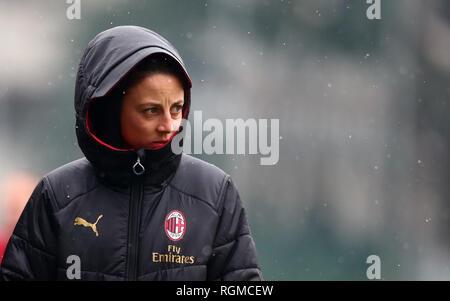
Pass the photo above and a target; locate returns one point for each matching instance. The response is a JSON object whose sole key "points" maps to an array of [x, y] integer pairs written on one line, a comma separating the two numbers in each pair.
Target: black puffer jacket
{"points": [[182, 219]]}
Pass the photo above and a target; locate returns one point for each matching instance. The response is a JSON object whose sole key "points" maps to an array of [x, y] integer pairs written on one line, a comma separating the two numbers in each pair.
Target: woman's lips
{"points": [[158, 143]]}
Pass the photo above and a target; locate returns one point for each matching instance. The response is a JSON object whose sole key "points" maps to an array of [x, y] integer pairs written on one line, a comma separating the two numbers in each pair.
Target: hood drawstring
{"points": [[138, 168]]}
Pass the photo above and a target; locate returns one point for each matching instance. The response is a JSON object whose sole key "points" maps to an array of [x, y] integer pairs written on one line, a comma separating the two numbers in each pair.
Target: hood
{"points": [[107, 60]]}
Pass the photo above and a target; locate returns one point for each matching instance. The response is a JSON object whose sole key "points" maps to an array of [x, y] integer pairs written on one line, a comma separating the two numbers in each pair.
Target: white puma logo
{"points": [[81, 221]]}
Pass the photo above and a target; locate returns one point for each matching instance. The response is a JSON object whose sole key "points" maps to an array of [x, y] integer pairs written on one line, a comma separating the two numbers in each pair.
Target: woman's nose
{"points": [[166, 123]]}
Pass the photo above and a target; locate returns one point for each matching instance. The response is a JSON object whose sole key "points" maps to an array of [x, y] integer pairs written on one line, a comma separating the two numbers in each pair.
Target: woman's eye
{"points": [[177, 108], [150, 110]]}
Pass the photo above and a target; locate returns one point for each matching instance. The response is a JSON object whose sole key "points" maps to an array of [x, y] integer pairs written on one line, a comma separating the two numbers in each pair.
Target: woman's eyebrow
{"points": [[157, 104], [180, 102]]}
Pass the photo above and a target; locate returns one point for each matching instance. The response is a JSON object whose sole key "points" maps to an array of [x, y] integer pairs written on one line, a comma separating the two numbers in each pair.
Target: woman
{"points": [[132, 209]]}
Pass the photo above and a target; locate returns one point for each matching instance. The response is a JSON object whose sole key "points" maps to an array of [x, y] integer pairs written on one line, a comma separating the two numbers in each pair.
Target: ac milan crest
{"points": [[175, 225]]}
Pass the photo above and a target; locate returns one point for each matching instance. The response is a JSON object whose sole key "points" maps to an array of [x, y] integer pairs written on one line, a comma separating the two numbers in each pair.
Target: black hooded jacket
{"points": [[125, 214]]}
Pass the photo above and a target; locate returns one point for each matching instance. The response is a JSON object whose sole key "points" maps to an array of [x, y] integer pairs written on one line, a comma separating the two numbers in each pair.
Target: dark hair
{"points": [[158, 63], [105, 112]]}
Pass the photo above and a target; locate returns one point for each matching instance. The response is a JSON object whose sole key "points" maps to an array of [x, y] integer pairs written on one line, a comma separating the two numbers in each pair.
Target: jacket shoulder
{"points": [[200, 179], [71, 180]]}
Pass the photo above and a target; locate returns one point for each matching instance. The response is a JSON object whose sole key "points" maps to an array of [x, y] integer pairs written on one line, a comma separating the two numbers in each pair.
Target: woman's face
{"points": [[152, 111]]}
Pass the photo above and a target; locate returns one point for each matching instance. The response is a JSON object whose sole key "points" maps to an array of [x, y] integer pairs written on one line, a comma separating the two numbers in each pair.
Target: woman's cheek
{"points": [[176, 124]]}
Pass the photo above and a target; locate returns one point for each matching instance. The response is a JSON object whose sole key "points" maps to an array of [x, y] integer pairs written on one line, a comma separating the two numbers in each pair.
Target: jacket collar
{"points": [[155, 172]]}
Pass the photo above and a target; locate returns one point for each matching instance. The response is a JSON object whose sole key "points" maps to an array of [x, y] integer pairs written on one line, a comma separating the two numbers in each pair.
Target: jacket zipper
{"points": [[134, 220]]}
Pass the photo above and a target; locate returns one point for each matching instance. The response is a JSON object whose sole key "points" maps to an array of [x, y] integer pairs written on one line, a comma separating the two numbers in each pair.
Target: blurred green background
{"points": [[363, 107]]}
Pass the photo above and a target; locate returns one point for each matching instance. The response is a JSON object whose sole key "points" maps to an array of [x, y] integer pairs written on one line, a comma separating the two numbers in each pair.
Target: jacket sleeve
{"points": [[30, 253], [234, 256]]}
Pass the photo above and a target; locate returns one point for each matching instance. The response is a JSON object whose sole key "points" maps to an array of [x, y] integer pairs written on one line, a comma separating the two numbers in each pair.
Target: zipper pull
{"points": [[138, 168]]}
